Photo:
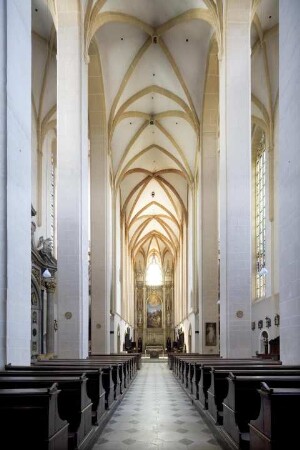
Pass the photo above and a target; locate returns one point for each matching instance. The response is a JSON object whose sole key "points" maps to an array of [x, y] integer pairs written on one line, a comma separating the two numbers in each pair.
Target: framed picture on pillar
{"points": [[210, 334]]}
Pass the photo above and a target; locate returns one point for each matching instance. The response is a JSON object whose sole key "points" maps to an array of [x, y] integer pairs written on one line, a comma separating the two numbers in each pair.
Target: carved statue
{"points": [[33, 228], [140, 299], [45, 247], [139, 272], [168, 317], [140, 318]]}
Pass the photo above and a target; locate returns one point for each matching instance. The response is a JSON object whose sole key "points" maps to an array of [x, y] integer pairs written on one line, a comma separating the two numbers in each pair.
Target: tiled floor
{"points": [[156, 414]]}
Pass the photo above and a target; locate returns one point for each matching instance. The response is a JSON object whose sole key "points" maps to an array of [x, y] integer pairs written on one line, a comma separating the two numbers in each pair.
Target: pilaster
{"points": [[3, 178], [100, 214], [72, 184], [289, 181], [17, 27], [50, 287], [235, 182]]}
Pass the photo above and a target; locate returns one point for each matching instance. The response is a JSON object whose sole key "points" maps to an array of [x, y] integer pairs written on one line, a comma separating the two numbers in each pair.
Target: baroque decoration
{"points": [[41, 259]]}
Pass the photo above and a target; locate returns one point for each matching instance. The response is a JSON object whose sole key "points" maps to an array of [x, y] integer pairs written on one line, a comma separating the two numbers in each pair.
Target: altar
{"points": [[154, 350]]}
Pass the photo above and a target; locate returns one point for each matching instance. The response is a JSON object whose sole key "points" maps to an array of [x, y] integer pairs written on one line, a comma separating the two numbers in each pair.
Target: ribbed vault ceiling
{"points": [[153, 57]]}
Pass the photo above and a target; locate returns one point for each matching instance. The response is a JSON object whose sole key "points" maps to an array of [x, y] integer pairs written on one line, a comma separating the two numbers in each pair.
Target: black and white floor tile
{"points": [[156, 414]]}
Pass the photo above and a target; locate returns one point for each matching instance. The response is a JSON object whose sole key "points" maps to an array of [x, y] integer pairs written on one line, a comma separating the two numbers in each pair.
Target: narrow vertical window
{"points": [[53, 200], [260, 217]]}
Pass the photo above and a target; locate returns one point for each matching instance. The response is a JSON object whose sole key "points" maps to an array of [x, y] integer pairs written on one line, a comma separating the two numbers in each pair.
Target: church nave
{"points": [[156, 414]]}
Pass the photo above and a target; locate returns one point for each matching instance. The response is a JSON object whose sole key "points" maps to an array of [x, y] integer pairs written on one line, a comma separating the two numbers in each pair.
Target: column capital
{"points": [[50, 286]]}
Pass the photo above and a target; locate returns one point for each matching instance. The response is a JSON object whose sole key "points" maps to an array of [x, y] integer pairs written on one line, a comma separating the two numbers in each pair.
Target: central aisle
{"points": [[156, 414]]}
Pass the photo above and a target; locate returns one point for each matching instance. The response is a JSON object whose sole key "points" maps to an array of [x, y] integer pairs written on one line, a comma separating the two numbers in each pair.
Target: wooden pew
{"points": [[190, 377], [29, 419], [118, 368], [131, 362], [137, 357], [174, 358], [277, 426], [109, 377], [242, 404], [134, 359], [185, 368], [190, 371], [181, 359], [182, 363], [218, 389], [128, 367], [115, 366], [201, 376], [94, 387], [74, 406], [205, 378]]}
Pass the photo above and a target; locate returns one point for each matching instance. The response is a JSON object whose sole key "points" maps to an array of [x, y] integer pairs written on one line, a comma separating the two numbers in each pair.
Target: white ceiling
{"points": [[154, 164], [265, 60], [41, 18], [163, 83]]}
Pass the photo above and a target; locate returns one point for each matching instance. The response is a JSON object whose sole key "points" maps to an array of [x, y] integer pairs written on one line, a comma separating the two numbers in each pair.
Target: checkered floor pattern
{"points": [[156, 414]]}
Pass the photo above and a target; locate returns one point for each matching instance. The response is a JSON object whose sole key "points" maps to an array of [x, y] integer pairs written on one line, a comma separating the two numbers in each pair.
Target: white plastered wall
{"points": [[264, 64], [44, 94], [17, 110]]}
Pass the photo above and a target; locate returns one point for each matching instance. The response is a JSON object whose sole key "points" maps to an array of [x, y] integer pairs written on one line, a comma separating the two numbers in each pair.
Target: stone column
{"points": [[209, 191], [100, 291], [235, 182], [15, 184], [50, 287], [145, 335], [164, 316], [72, 184], [99, 173], [3, 183], [289, 181]]}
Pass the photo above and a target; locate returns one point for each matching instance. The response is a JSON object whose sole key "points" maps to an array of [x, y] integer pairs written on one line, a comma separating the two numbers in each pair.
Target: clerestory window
{"points": [[260, 218]]}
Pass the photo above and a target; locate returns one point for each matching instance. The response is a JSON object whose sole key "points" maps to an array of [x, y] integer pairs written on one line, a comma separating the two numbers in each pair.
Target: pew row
{"points": [[94, 386], [110, 374], [134, 358], [122, 372], [277, 424], [108, 377], [195, 375], [218, 388], [73, 404], [242, 403], [30, 416]]}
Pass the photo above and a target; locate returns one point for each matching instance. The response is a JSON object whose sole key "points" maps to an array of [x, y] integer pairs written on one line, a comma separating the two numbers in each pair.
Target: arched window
{"points": [[154, 273], [260, 218]]}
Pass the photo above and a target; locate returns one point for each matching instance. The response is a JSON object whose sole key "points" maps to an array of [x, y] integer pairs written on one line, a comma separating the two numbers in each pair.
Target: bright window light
{"points": [[154, 274]]}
